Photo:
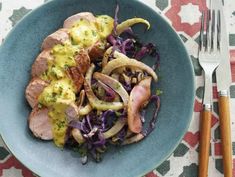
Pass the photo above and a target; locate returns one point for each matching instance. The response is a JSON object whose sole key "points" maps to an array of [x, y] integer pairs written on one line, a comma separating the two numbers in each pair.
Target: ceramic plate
{"points": [[17, 54]]}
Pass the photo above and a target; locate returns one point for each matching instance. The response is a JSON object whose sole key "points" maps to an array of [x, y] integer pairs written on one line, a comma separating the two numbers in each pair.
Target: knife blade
{"points": [[224, 80], [223, 72]]}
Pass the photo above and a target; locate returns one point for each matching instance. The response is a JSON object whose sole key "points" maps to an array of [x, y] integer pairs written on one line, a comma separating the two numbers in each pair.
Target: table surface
{"points": [[184, 15]]}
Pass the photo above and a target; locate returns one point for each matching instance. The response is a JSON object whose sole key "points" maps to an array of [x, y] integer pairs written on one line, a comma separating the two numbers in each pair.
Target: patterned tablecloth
{"points": [[184, 16]]}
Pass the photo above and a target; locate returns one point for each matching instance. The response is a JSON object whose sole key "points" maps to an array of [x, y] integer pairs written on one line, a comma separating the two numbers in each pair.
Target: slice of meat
{"points": [[58, 37], [39, 123], [33, 90], [69, 22], [40, 64], [97, 51], [139, 96], [77, 77], [83, 61]]}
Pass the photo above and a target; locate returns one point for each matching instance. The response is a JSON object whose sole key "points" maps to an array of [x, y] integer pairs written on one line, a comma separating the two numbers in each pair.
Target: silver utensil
{"points": [[223, 78], [209, 59]]}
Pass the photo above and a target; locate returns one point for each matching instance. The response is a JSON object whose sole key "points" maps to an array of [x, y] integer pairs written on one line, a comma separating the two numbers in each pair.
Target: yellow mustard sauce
{"points": [[61, 91], [63, 57], [84, 33], [57, 96], [59, 123], [104, 25]]}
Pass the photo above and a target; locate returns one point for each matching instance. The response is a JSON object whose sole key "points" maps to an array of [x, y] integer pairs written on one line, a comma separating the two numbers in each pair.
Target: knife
{"points": [[223, 78]]}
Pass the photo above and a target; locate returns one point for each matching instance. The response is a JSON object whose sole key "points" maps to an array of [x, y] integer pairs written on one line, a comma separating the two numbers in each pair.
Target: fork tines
{"points": [[210, 27]]}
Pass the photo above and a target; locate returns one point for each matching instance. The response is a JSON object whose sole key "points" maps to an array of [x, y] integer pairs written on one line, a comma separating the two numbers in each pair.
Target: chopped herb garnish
{"points": [[117, 86], [159, 92], [94, 33], [60, 124], [54, 94], [66, 66], [118, 114], [86, 33], [71, 58]]}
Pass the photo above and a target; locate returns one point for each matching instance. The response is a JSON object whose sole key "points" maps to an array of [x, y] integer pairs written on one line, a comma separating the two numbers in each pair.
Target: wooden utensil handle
{"points": [[225, 129], [204, 143]]}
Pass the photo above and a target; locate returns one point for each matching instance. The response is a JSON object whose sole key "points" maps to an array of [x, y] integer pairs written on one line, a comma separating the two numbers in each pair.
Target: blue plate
{"points": [[17, 54]]}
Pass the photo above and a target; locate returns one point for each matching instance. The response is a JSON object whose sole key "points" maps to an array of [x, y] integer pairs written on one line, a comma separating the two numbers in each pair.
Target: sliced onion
{"points": [[108, 53], [94, 101], [115, 129], [133, 139], [106, 56], [85, 110], [115, 76], [130, 22], [126, 78], [77, 135], [123, 62], [110, 94], [114, 84], [129, 134], [81, 98]]}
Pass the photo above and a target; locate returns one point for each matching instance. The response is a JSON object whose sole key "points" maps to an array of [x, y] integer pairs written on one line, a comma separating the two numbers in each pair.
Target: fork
{"points": [[209, 59]]}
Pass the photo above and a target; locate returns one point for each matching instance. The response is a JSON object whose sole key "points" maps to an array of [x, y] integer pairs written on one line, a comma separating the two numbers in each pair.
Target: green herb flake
{"points": [[94, 33], [70, 58], [66, 66], [117, 86], [60, 124], [118, 114], [86, 33], [159, 92]]}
